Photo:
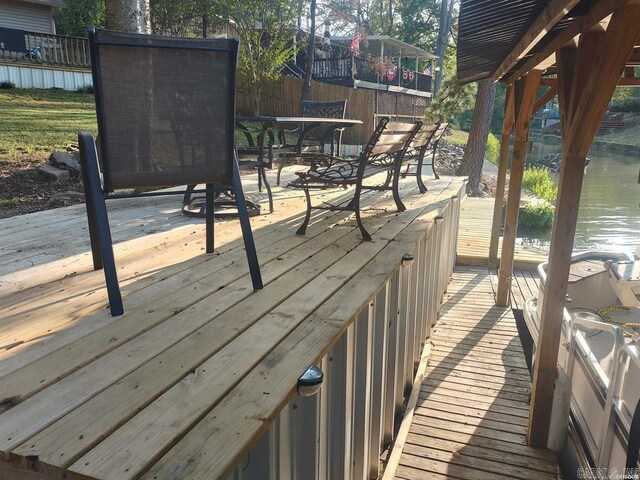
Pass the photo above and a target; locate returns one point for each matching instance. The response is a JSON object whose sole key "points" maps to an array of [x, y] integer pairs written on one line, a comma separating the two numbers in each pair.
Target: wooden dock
{"points": [[468, 417], [474, 237], [188, 380]]}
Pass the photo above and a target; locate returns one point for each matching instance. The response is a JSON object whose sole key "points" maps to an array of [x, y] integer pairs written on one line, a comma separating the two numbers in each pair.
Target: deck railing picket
{"points": [[392, 393]]}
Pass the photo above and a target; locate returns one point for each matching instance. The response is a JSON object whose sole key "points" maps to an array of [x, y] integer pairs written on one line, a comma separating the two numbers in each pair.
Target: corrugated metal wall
{"points": [[26, 16], [32, 77]]}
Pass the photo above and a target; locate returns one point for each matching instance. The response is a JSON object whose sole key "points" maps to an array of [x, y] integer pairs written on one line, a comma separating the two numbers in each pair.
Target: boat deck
{"points": [[188, 379], [469, 415], [475, 235]]}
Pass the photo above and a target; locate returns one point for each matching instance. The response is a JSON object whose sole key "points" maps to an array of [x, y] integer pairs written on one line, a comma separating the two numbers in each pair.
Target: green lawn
{"points": [[457, 137], [34, 123]]}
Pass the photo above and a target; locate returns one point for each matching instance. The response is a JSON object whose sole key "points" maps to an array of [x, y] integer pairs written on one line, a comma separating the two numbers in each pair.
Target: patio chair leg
{"points": [[433, 162], [303, 228], [259, 179], [210, 206], [395, 188], [421, 185], [97, 215], [245, 225], [280, 167], [356, 206], [263, 174]]}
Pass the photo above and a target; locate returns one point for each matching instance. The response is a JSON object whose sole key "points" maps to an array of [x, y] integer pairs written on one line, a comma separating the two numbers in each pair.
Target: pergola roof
{"points": [[490, 30]]}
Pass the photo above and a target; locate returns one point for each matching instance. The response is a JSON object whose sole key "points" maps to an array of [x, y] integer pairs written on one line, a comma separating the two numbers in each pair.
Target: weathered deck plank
{"points": [[476, 217], [470, 418]]}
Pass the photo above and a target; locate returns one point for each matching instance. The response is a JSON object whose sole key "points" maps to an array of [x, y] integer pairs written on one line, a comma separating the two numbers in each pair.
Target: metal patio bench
{"points": [[383, 153], [420, 149], [166, 113]]}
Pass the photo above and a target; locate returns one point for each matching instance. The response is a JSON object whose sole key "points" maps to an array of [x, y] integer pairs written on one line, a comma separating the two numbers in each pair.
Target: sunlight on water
{"points": [[609, 214]]}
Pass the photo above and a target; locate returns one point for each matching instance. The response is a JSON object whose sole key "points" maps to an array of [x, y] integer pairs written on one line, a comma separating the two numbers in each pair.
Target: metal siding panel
{"points": [[26, 16]]}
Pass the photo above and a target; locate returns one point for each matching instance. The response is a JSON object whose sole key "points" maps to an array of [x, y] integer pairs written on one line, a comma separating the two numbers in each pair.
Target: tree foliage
{"points": [[453, 98], [77, 15]]}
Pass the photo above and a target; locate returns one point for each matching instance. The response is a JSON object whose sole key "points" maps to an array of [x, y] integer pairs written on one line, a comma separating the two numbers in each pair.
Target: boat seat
{"points": [[625, 281]]}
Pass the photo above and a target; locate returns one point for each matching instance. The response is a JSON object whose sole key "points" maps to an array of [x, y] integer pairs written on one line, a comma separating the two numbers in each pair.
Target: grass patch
{"points": [[34, 123], [457, 137], [628, 136]]}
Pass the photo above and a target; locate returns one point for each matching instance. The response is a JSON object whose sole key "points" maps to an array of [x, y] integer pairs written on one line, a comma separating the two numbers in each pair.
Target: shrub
{"points": [[539, 182], [88, 88], [539, 215], [492, 152], [7, 85]]}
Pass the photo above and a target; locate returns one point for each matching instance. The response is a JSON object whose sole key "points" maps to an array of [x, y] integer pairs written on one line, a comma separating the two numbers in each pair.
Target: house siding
{"points": [[26, 16]]}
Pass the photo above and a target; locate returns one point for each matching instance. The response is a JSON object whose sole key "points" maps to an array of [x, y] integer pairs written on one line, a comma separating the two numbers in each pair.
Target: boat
{"points": [[599, 366]]}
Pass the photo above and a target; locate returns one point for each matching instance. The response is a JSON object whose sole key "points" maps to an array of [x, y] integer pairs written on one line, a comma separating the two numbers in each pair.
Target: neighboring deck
{"points": [[475, 233], [186, 381], [470, 416]]}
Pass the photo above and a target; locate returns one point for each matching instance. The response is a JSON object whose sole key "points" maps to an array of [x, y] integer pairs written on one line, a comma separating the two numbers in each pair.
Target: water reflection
{"points": [[609, 212]]}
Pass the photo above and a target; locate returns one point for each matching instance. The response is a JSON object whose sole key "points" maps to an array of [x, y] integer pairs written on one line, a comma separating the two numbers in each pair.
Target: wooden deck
{"points": [[474, 237], [187, 380], [469, 419]]}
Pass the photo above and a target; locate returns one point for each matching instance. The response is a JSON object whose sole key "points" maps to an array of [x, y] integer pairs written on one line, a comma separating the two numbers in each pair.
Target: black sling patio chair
{"points": [[166, 114], [316, 138]]}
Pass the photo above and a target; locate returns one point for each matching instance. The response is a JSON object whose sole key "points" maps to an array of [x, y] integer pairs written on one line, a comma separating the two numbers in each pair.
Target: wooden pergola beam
{"points": [[525, 96], [544, 98], [599, 12], [507, 130], [552, 14], [601, 59]]}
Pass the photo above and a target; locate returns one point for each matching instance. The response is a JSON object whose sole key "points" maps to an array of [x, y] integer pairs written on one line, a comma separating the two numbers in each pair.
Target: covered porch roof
{"points": [[389, 45]]}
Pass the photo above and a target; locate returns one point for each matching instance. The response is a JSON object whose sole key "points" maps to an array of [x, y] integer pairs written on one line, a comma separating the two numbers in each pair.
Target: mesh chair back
{"points": [[166, 109], [311, 108]]}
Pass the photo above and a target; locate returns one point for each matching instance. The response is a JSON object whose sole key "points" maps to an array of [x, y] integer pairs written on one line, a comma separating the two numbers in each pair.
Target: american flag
{"points": [[355, 43], [427, 70]]}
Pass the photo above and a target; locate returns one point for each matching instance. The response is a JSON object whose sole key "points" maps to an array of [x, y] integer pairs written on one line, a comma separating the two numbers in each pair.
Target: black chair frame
{"points": [[97, 192], [376, 157], [420, 154]]}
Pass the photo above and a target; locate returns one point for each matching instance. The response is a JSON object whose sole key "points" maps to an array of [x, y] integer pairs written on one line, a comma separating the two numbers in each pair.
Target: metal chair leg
{"points": [[433, 163], [262, 173], [97, 208], [209, 213], [303, 228], [280, 167], [356, 205], [421, 186], [395, 188], [245, 225]]}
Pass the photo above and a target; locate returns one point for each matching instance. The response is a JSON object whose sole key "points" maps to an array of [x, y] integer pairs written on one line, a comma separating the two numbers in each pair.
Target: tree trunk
{"points": [[446, 11], [306, 88], [473, 158], [128, 16]]}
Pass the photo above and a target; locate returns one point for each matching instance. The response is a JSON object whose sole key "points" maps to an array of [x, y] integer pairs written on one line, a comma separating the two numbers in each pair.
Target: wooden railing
{"points": [[51, 50], [343, 71]]}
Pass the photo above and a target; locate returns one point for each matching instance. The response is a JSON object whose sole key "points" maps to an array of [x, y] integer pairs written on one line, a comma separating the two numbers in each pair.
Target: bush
{"points": [[492, 152], [88, 88], [7, 85], [539, 215], [539, 182]]}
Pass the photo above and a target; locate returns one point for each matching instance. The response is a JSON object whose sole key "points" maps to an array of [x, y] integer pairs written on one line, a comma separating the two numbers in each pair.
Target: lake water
{"points": [[609, 212]]}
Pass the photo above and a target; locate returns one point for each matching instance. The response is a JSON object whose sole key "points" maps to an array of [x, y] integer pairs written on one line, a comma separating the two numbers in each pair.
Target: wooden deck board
{"points": [[88, 394], [471, 416], [476, 216]]}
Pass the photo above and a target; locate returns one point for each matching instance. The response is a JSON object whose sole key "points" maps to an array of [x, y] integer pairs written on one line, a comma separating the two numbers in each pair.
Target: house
{"points": [[32, 55]]}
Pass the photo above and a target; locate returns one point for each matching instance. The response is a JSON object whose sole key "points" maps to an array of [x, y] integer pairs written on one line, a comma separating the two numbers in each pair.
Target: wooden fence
{"points": [[282, 97]]}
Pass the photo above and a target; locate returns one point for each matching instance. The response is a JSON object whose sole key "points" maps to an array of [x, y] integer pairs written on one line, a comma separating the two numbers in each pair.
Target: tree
{"points": [[78, 15], [306, 87], [473, 157], [265, 29], [444, 26], [128, 15]]}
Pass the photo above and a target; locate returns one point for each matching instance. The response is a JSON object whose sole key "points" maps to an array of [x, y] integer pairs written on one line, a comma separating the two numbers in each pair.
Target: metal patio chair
{"points": [[166, 114], [315, 140]]}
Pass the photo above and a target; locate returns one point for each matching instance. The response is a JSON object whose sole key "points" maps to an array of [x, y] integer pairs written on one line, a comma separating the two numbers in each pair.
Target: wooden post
{"points": [[525, 96], [599, 62], [507, 130]]}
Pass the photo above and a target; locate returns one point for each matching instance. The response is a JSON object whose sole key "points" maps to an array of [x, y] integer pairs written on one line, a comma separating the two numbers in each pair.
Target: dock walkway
{"points": [[475, 233], [469, 419]]}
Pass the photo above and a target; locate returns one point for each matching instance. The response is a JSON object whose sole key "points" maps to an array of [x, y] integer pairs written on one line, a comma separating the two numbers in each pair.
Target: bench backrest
{"points": [[388, 143], [442, 127], [423, 137], [165, 108]]}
